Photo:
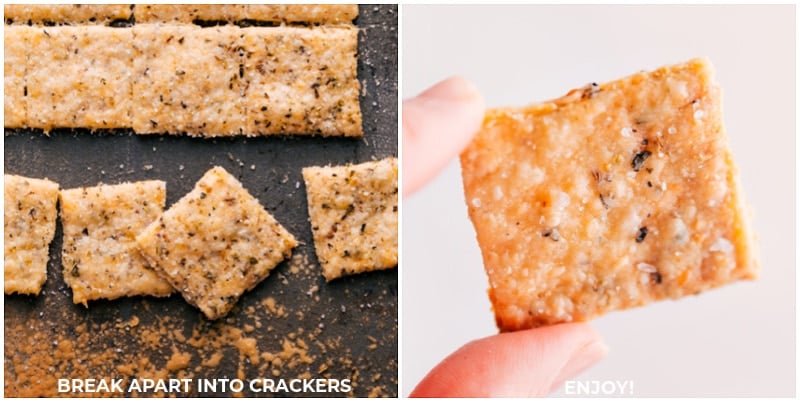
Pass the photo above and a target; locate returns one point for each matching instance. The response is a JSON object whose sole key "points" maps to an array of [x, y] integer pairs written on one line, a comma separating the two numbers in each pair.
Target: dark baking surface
{"points": [[349, 326]]}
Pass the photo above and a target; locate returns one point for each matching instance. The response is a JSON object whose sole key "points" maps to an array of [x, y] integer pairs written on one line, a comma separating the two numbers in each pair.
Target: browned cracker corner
{"points": [[612, 197]]}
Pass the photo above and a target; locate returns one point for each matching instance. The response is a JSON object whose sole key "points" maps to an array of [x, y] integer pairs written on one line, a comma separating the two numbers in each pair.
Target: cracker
{"points": [[79, 77], [278, 13], [187, 80], [612, 197], [311, 13], [29, 226], [302, 81], [215, 243], [188, 13], [15, 54], [70, 14], [353, 213], [99, 257]]}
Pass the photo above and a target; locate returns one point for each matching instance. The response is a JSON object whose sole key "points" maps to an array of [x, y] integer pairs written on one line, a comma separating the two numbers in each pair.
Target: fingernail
{"points": [[584, 358]]}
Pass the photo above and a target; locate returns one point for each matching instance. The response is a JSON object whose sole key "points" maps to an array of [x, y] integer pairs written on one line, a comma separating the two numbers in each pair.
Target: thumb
{"points": [[437, 125], [519, 364]]}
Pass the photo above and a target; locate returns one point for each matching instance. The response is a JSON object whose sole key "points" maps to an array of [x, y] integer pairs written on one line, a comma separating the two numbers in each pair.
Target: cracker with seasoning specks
{"points": [[69, 14], [29, 224], [278, 13], [215, 243], [79, 77], [187, 79], [15, 44], [188, 13], [99, 256], [302, 81], [612, 197], [294, 13], [353, 213]]}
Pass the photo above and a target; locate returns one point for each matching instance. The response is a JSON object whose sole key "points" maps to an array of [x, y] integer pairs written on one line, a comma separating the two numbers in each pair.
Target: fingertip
{"points": [[455, 89], [518, 364], [437, 125]]}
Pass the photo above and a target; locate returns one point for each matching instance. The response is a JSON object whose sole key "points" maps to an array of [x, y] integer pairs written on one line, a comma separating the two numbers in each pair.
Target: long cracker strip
{"points": [[188, 80], [278, 13], [29, 223], [99, 257], [302, 81], [254, 81], [79, 77], [612, 197], [69, 14]]}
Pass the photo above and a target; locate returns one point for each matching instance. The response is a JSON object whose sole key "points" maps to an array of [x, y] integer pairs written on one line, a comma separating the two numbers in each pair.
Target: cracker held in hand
{"points": [[215, 243], [29, 223], [611, 197], [99, 257], [353, 212]]}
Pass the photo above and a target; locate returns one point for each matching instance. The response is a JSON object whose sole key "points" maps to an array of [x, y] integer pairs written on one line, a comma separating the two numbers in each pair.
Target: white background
{"points": [[734, 341]]}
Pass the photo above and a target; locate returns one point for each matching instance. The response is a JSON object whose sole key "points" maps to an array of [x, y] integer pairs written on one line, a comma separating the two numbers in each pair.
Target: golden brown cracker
{"points": [[611, 197]]}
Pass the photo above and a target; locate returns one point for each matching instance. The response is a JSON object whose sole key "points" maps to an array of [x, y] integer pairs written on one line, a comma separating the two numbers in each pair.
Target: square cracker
{"points": [[215, 243], [99, 257], [29, 223], [302, 81], [70, 14], [15, 55], [612, 197], [187, 80], [79, 77], [353, 212]]}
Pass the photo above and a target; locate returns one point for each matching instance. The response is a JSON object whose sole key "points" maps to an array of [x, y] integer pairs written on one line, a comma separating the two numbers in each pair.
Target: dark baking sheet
{"points": [[349, 326]]}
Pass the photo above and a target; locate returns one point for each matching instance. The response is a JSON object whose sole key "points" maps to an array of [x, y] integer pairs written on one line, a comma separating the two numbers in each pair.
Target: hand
{"points": [[437, 125]]}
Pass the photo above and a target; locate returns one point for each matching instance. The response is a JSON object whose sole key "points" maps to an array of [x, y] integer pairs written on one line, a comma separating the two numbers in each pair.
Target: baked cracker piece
{"points": [[187, 80], [188, 13], [298, 13], [29, 226], [353, 213], [79, 77], [278, 13], [612, 197], [99, 257], [215, 243], [69, 14], [15, 54], [302, 81]]}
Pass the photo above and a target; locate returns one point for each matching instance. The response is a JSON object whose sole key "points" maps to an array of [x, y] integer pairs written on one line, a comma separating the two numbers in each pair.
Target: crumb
{"points": [[178, 360]]}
